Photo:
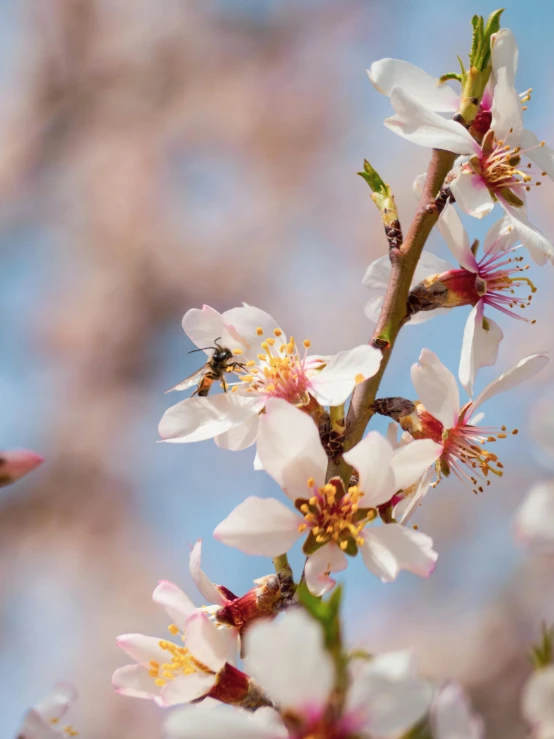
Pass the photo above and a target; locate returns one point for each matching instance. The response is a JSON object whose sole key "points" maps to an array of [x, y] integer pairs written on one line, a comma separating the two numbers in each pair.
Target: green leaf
{"points": [[325, 612], [373, 179], [493, 22], [450, 76], [542, 654], [463, 69], [476, 22]]}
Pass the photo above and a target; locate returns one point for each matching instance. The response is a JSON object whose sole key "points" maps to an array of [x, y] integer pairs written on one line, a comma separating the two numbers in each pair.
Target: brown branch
{"points": [[394, 312]]}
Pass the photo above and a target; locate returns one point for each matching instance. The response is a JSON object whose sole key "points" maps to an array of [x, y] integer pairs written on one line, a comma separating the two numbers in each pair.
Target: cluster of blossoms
{"points": [[272, 663]]}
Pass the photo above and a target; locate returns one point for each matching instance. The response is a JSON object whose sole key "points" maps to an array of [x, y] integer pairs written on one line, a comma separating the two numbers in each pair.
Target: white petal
{"points": [[243, 323], [35, 727], [530, 236], [452, 717], [186, 688], [287, 657], [429, 264], [198, 419], [205, 641], [328, 558], [504, 51], [419, 183], [479, 346], [56, 703], [178, 606], [389, 548], [472, 194], [534, 520], [135, 681], [426, 128], [538, 702], [525, 369], [289, 448], [373, 307], [390, 700], [204, 326], [372, 457], [142, 648], [260, 526], [507, 116], [455, 235], [193, 722], [500, 236], [436, 388], [542, 156], [339, 377], [239, 437], [377, 275], [201, 580], [386, 74], [411, 461], [406, 508]]}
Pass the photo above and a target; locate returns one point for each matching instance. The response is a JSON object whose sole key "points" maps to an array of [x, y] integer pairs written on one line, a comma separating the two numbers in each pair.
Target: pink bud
{"points": [[17, 463]]}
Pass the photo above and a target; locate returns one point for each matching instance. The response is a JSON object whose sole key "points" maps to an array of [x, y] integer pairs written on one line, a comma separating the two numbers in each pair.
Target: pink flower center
{"points": [[281, 371]]}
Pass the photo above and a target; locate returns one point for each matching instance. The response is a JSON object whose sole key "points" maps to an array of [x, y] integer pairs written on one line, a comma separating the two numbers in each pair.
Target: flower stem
{"points": [[282, 566], [393, 314]]}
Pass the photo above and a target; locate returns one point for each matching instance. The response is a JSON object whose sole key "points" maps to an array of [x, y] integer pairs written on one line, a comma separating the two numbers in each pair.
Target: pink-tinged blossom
{"points": [[16, 463], [44, 721], [534, 521], [452, 716], [538, 703], [333, 520], [288, 659], [438, 415], [274, 366], [492, 171]]}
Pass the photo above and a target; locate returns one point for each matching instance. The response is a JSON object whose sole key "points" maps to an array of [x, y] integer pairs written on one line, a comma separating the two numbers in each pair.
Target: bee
{"points": [[215, 368]]}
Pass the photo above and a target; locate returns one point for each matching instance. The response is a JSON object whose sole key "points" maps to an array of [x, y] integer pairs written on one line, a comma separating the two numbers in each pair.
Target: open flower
{"points": [[289, 660], [538, 703], [335, 520], [274, 366], [43, 721], [16, 463], [492, 171], [452, 717], [437, 415]]}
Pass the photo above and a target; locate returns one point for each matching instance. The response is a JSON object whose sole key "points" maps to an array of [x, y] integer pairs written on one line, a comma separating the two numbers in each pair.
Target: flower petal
{"points": [[198, 419], [186, 688], [142, 648], [452, 717], [538, 702], [288, 658], [386, 74], [426, 128], [244, 323], [328, 558], [205, 641], [192, 722], [525, 369], [412, 460], [339, 377], [372, 458], [16, 463], [135, 681], [504, 52], [289, 448], [541, 155], [239, 437], [260, 526], [500, 236], [436, 388], [388, 699], [204, 326], [507, 116], [455, 235], [35, 727], [530, 236], [57, 702], [471, 193], [389, 548], [178, 606], [405, 509], [479, 346], [205, 586], [534, 521]]}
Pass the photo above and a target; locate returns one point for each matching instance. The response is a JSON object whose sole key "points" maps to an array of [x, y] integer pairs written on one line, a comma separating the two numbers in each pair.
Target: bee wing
{"points": [[193, 379]]}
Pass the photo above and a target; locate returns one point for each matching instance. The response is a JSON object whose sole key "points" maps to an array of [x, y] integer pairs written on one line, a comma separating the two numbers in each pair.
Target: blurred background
{"points": [[155, 156]]}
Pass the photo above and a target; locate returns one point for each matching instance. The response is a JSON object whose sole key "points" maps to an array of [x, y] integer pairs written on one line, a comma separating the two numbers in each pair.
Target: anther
{"points": [[173, 629], [260, 331], [277, 332], [307, 343]]}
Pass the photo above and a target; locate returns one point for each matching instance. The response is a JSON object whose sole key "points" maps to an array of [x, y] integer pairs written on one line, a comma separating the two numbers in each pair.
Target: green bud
{"points": [[381, 194]]}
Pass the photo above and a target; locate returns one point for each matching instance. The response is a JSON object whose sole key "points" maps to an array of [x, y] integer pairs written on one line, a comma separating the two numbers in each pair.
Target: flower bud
{"points": [[238, 689], [265, 600], [17, 463]]}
